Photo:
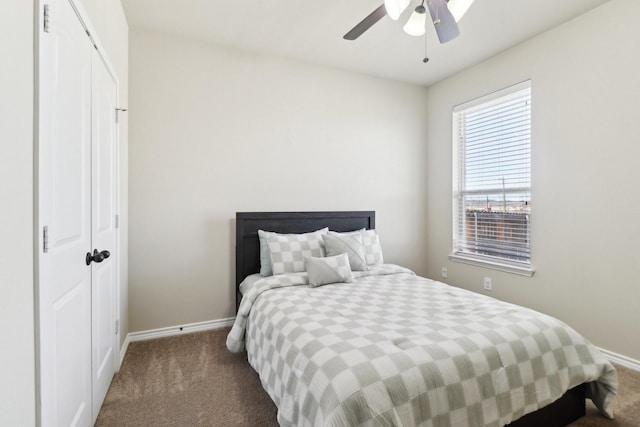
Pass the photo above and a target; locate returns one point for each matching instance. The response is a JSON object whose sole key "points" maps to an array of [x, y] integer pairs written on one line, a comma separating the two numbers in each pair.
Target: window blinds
{"points": [[492, 196]]}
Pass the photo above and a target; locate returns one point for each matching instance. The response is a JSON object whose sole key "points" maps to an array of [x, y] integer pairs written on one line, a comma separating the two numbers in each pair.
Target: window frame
{"points": [[524, 268]]}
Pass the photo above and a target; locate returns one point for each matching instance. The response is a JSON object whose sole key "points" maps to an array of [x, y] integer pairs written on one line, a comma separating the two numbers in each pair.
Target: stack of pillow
{"points": [[326, 256]]}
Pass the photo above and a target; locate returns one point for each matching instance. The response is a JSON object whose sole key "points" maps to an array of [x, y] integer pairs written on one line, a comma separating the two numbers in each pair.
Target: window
{"points": [[492, 180]]}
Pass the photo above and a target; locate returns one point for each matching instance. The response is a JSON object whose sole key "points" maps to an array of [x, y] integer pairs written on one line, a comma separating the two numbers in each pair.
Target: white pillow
{"points": [[370, 244], [265, 254], [287, 251], [322, 271], [349, 243], [372, 247]]}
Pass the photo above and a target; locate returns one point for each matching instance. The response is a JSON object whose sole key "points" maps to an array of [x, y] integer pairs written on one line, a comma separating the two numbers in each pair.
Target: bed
{"points": [[392, 348]]}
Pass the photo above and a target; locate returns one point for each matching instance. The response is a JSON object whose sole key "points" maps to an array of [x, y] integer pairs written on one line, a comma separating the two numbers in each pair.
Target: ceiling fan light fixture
{"points": [[395, 8], [415, 26], [458, 8]]}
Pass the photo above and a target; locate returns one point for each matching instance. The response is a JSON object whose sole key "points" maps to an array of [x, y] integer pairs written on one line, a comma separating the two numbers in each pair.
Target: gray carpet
{"points": [[192, 380]]}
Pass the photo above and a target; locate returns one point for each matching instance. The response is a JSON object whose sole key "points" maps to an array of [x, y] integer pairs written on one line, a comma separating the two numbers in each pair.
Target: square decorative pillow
{"points": [[372, 248], [322, 271], [287, 251], [347, 243], [265, 254]]}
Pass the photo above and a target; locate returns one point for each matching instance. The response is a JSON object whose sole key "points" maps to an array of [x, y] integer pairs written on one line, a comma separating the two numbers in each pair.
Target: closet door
{"points": [[104, 233], [77, 206], [64, 188]]}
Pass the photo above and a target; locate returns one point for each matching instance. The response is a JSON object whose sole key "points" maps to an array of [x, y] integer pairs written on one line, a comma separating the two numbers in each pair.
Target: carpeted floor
{"points": [[192, 380]]}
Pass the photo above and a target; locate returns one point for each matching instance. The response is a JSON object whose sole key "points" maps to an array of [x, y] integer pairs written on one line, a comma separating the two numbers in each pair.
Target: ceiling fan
{"points": [[444, 14]]}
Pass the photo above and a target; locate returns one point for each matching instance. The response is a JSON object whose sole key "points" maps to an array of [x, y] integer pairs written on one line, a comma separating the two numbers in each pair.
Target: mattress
{"points": [[392, 348]]}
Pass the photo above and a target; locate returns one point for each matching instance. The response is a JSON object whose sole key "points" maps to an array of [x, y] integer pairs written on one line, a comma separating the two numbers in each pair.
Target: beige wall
{"points": [[585, 85], [215, 131], [17, 386]]}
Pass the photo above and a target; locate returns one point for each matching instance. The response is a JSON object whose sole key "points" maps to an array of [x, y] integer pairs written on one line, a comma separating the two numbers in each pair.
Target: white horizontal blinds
{"points": [[493, 200]]}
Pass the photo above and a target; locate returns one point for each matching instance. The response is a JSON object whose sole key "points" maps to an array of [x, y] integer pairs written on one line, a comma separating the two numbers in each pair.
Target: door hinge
{"points": [[46, 18], [45, 239], [118, 110], [117, 326], [117, 221]]}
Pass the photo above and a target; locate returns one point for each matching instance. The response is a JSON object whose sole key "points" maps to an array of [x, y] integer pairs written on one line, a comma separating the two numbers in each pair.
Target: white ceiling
{"points": [[312, 31]]}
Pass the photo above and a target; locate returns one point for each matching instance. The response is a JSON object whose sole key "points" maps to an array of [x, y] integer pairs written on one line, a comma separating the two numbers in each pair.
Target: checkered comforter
{"points": [[395, 349]]}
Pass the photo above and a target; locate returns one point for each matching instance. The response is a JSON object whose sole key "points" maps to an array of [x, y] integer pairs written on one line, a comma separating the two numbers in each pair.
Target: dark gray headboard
{"points": [[248, 224]]}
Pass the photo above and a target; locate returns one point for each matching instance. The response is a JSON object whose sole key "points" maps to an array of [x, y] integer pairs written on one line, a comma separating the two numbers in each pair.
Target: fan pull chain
{"points": [[426, 58]]}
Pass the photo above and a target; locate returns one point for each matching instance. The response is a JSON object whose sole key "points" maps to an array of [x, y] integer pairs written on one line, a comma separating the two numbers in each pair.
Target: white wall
{"points": [[216, 131], [585, 105], [17, 386]]}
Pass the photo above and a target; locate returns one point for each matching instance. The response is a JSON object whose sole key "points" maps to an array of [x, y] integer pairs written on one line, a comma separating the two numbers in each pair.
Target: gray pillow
{"points": [[372, 248], [347, 243], [287, 251], [322, 271], [265, 254]]}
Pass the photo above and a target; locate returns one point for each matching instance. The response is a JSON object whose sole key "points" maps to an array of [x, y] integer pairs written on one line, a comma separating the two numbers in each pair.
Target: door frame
{"points": [[84, 20]]}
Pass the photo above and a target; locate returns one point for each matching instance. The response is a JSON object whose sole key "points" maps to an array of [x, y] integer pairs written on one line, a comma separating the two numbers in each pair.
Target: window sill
{"points": [[507, 268]]}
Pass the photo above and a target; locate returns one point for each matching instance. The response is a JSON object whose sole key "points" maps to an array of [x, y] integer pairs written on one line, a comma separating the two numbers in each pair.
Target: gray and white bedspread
{"points": [[395, 349]]}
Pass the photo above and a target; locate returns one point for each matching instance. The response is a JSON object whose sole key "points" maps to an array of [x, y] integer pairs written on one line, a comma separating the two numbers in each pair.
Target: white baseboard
{"points": [[123, 350], [180, 329], [619, 359]]}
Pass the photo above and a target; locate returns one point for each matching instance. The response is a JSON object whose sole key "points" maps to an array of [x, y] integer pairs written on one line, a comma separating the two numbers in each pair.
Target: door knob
{"points": [[97, 256]]}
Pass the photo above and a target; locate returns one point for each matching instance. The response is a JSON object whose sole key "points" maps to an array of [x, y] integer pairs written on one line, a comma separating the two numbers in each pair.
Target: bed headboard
{"points": [[248, 224]]}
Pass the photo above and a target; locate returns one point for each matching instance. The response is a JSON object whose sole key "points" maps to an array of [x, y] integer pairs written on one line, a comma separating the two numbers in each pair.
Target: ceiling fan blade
{"points": [[443, 20], [366, 23]]}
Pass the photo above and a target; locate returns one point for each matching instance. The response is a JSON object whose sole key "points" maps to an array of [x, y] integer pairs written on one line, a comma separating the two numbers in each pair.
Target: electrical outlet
{"points": [[444, 272], [487, 284]]}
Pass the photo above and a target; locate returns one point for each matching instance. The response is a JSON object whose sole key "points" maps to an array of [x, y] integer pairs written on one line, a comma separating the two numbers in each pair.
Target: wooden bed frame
{"points": [[248, 224], [570, 407]]}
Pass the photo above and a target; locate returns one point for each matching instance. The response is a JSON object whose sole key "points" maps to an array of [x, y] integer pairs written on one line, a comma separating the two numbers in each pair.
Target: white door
{"points": [[104, 233], [77, 213], [65, 213]]}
